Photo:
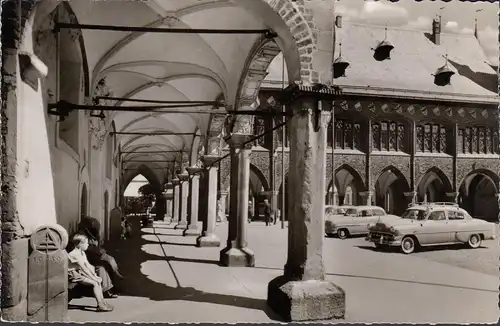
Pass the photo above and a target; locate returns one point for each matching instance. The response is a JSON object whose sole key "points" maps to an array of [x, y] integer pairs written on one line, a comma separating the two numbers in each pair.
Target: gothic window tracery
{"points": [[477, 140], [432, 138], [376, 136], [392, 136], [347, 134], [388, 136], [258, 130], [420, 139], [401, 137], [383, 136]]}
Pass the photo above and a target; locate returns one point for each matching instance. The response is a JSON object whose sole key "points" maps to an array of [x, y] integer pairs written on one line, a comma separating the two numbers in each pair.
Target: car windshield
{"points": [[351, 212], [414, 214]]}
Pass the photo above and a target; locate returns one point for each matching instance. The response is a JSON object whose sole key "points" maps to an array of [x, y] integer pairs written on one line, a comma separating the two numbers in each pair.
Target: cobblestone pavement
{"points": [[170, 280]]}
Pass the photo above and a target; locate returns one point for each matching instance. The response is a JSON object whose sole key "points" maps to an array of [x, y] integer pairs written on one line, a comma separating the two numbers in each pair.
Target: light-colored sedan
{"points": [[355, 220], [430, 224]]}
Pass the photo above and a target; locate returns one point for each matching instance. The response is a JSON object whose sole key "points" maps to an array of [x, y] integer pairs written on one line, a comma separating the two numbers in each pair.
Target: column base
{"points": [[305, 300], [181, 225], [174, 221], [237, 257], [192, 229], [209, 240]]}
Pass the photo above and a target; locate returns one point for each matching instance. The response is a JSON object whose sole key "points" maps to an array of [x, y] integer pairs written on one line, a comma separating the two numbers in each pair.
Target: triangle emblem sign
{"points": [[47, 240]]}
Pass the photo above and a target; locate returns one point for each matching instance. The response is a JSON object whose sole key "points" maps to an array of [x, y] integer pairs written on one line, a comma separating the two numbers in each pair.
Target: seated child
{"points": [[81, 271]]}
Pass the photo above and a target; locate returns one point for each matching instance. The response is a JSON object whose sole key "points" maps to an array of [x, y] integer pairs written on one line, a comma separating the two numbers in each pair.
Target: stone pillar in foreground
{"points": [[237, 253], [183, 198], [175, 206], [194, 191], [208, 237], [302, 293]]}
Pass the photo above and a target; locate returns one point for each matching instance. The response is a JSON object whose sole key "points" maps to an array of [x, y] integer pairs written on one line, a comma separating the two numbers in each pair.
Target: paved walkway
{"points": [[170, 280]]}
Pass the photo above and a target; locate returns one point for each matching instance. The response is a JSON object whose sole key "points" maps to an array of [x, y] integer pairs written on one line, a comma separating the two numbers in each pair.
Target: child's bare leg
{"points": [[96, 287]]}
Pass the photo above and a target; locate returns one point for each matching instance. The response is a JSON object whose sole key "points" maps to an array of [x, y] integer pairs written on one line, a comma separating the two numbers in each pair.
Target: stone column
{"points": [[302, 293], [175, 206], [183, 198], [223, 201], [236, 253], [367, 197], [208, 237], [169, 197], [194, 191]]}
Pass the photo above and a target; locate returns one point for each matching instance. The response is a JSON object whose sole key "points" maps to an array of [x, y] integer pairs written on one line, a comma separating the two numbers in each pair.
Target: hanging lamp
{"points": [[442, 76], [339, 65]]}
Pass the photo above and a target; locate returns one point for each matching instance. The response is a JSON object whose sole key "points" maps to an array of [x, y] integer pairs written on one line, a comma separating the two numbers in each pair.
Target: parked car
{"points": [[335, 210], [430, 224], [354, 221]]}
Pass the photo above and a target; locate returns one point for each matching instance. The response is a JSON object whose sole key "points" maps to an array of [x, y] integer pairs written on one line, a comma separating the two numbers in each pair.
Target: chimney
{"points": [[338, 21], [436, 31]]}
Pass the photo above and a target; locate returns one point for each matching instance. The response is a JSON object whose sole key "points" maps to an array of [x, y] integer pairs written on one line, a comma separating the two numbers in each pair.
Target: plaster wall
{"points": [[35, 195]]}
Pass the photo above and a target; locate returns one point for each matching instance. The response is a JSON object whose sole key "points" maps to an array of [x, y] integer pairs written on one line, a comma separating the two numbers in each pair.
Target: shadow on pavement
{"points": [[130, 256]]}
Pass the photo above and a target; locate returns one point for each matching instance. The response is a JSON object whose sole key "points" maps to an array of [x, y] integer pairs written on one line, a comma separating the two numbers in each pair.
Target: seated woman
{"points": [[80, 271]]}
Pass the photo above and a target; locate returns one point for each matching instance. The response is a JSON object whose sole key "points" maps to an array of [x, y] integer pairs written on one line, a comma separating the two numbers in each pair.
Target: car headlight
{"points": [[393, 230]]}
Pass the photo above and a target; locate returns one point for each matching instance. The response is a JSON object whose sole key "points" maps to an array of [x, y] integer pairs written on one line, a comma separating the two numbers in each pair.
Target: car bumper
{"points": [[385, 239]]}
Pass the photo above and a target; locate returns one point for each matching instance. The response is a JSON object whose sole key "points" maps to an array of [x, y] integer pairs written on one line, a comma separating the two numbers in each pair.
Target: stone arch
{"points": [[73, 66], [478, 194], [433, 186], [257, 178], [147, 173], [390, 187], [346, 176]]}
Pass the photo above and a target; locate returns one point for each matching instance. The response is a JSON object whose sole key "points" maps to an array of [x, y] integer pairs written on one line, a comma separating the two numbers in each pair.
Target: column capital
{"points": [[169, 185], [176, 182], [238, 141], [192, 170], [366, 193], [184, 176], [409, 193], [209, 159]]}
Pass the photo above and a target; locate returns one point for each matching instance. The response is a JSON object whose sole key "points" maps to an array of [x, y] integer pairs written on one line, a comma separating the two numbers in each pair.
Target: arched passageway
{"points": [[348, 184], [433, 186], [389, 191], [259, 188], [478, 194]]}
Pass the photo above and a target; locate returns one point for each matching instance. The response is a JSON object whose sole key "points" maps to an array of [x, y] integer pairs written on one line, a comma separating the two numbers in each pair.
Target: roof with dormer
{"points": [[413, 62], [409, 73]]}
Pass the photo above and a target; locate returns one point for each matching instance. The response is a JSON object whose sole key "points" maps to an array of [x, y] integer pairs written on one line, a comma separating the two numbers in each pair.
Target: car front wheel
{"points": [[408, 245], [342, 233], [474, 241]]}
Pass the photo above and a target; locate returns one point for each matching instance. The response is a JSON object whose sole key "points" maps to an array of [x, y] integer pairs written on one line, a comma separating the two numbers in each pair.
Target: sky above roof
{"points": [[457, 17]]}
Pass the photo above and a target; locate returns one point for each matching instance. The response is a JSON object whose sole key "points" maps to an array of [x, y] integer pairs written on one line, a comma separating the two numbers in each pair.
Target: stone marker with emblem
{"points": [[48, 274]]}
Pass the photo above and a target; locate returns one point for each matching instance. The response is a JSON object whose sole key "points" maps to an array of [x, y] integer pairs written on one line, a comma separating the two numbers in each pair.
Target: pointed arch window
{"points": [[347, 134]]}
